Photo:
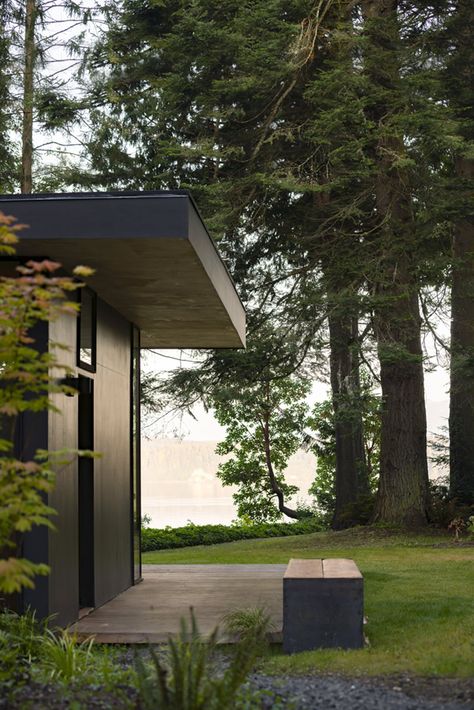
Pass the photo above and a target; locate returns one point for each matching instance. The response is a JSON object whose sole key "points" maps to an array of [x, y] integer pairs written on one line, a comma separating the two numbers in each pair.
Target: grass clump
{"points": [[186, 679], [20, 645], [42, 660], [251, 624], [63, 658]]}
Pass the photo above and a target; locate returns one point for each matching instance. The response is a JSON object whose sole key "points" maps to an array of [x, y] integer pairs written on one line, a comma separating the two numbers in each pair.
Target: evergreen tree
{"points": [[459, 83], [38, 39], [243, 113], [303, 132], [7, 152], [403, 490]]}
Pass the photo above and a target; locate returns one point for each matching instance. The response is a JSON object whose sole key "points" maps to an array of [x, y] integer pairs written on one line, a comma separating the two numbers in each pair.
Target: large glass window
{"points": [[86, 330]]}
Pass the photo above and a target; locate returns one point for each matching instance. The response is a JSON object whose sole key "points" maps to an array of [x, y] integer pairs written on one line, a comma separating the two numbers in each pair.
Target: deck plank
{"points": [[150, 612]]}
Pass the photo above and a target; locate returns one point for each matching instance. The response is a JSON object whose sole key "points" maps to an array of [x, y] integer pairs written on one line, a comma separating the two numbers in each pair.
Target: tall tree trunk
{"points": [[351, 470], [6, 157], [28, 93], [402, 498], [459, 82], [461, 412]]}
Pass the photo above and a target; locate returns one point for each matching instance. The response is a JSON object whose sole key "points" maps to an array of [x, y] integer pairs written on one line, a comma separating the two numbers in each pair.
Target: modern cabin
{"points": [[159, 282]]}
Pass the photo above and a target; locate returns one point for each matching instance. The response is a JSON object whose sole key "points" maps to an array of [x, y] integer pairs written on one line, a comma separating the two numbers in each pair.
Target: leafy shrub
{"points": [[187, 679], [189, 535], [32, 653], [29, 648], [20, 644], [444, 507], [359, 512]]}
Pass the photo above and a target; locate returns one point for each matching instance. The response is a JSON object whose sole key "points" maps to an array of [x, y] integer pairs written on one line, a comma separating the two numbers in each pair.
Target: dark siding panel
{"points": [[63, 545], [113, 571], [34, 428], [32, 434]]}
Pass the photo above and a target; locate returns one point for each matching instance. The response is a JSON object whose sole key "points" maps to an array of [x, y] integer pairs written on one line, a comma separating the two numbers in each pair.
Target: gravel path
{"points": [[297, 692], [288, 693], [331, 691], [340, 693]]}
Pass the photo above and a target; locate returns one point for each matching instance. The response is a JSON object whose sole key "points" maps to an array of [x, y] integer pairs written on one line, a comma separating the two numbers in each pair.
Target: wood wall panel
{"points": [[63, 543], [112, 518]]}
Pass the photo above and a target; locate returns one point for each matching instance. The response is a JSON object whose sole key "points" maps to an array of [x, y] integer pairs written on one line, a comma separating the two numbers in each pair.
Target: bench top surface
{"points": [[337, 568]]}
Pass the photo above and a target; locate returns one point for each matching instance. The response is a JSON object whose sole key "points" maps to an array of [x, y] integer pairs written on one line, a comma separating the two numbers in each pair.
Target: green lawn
{"points": [[419, 598]]}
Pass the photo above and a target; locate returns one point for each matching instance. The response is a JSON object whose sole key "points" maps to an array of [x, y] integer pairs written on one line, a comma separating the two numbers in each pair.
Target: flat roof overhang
{"points": [[154, 259]]}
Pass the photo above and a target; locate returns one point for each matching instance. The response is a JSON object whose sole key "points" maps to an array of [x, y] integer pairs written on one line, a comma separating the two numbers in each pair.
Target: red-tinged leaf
{"points": [[8, 220], [9, 410], [31, 467], [70, 308], [45, 265]]}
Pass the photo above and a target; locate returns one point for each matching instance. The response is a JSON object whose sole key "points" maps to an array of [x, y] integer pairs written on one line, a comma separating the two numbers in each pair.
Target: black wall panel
{"points": [[58, 594], [63, 543], [112, 519], [32, 434]]}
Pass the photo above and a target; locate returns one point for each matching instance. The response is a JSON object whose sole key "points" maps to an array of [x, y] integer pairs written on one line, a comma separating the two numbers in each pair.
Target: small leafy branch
{"points": [[28, 376]]}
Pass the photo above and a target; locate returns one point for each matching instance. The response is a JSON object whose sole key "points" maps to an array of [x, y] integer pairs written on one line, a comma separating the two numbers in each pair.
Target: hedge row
{"points": [[167, 538]]}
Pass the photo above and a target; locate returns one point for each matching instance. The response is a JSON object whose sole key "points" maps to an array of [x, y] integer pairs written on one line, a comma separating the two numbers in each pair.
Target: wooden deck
{"points": [[151, 611]]}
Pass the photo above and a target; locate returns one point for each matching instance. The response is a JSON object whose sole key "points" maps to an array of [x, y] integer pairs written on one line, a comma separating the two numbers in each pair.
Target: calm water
{"points": [[179, 482]]}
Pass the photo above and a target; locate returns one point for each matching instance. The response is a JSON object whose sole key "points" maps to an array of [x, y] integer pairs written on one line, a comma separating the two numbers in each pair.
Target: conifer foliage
{"points": [[318, 138], [328, 144]]}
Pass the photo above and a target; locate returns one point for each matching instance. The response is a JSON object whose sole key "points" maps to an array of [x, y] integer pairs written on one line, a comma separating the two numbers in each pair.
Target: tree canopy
{"points": [[328, 144]]}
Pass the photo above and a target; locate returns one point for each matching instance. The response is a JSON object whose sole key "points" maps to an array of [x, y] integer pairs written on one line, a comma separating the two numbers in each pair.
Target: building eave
{"points": [[154, 261]]}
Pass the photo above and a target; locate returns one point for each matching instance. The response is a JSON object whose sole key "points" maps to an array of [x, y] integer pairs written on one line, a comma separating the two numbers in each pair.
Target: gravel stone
{"points": [[338, 693], [296, 692]]}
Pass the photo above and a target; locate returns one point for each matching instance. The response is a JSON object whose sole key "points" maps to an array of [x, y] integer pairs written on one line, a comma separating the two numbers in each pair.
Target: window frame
{"points": [[92, 366], [135, 457]]}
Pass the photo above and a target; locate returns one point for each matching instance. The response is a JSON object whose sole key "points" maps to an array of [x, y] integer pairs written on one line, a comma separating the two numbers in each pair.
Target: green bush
{"points": [[31, 653], [444, 507], [168, 538]]}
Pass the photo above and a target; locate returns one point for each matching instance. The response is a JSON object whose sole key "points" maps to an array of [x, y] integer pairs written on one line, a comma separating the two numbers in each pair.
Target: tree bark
{"points": [[28, 94], [402, 497], [458, 86], [351, 470], [461, 412], [289, 512]]}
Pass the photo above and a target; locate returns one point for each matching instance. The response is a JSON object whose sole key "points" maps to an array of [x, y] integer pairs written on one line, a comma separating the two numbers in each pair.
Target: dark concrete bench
{"points": [[323, 605]]}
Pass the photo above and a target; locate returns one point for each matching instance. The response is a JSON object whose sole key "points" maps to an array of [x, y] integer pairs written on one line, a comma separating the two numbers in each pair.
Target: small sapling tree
{"points": [[265, 421]]}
